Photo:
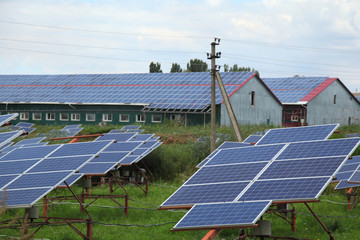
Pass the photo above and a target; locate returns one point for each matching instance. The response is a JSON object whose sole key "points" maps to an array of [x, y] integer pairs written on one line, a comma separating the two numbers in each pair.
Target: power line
{"points": [[104, 32], [96, 47], [292, 47]]}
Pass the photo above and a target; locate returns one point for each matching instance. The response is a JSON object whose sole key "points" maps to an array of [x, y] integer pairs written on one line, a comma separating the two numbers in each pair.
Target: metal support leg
{"points": [[321, 223]]}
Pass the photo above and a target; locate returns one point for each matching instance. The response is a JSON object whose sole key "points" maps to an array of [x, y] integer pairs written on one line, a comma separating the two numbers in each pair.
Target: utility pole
{"points": [[213, 56]]}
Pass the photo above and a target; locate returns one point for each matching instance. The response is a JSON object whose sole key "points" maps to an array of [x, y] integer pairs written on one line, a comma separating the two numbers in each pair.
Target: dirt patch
{"points": [[177, 138]]}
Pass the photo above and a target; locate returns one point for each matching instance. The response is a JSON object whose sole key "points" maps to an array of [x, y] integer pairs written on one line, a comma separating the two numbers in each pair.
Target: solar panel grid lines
{"points": [[209, 156], [30, 141], [7, 118], [121, 137], [320, 148], [15, 197], [297, 134], [344, 184], [25, 124], [6, 137], [355, 177], [286, 190], [72, 179], [97, 168], [221, 215], [25, 153], [252, 138], [112, 157]]}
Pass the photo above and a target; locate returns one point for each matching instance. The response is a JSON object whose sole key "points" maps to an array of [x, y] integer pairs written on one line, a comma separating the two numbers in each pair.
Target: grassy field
{"points": [[172, 164]]}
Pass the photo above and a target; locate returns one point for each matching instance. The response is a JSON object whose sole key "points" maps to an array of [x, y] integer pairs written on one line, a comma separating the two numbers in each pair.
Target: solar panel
{"points": [[355, 177], [344, 184], [7, 118], [4, 180], [211, 193], [60, 164], [30, 141], [289, 172], [128, 160], [29, 153], [297, 134], [71, 180], [248, 154], [24, 124], [96, 168], [223, 215], [303, 189], [81, 148], [16, 198], [345, 172], [72, 126], [120, 137], [123, 146], [131, 127], [252, 138], [141, 137], [112, 157], [6, 137], [16, 167]]}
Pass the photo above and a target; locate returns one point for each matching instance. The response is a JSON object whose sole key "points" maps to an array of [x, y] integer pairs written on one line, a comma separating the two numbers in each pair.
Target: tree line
{"points": [[197, 65]]}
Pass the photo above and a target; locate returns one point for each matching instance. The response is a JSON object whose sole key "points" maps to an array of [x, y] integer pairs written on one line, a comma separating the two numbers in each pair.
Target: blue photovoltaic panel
{"points": [[308, 167], [30, 141], [286, 189], [4, 180], [70, 132], [221, 215], [355, 177], [120, 88], [16, 167], [344, 184], [7, 118], [60, 164], [29, 152], [36, 180], [211, 193], [333, 147], [110, 157], [6, 137], [224, 145], [293, 89], [131, 127], [139, 151], [298, 134], [123, 146], [135, 130], [6, 145], [141, 137], [72, 126], [253, 138], [96, 168], [116, 131], [25, 125], [120, 137], [72, 179], [226, 173], [128, 160], [82, 148], [24, 197], [245, 154]]}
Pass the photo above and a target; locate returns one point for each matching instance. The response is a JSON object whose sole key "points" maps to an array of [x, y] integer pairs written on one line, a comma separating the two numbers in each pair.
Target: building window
{"points": [[64, 117], [124, 117], [334, 99], [140, 117], [107, 117], [75, 117], [24, 116], [156, 118], [36, 116], [174, 117], [90, 117], [253, 98], [50, 116]]}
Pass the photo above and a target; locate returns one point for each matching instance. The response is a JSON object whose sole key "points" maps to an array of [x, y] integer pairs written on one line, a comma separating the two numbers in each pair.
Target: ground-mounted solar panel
{"points": [[29, 153], [223, 215], [72, 126], [209, 193], [111, 157], [346, 171], [6, 145], [97, 168], [6, 137], [128, 160], [24, 124], [68, 163], [16, 167], [123, 146], [286, 190], [7, 118], [248, 154], [120, 137], [4, 180], [22, 198], [344, 184], [30, 141], [80, 148], [253, 138], [297, 134], [71, 180], [142, 137], [130, 127], [355, 177]]}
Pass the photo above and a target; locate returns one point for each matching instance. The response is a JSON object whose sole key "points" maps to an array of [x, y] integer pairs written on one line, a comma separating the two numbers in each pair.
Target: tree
{"points": [[235, 68], [226, 67], [175, 68], [197, 65], [155, 67]]}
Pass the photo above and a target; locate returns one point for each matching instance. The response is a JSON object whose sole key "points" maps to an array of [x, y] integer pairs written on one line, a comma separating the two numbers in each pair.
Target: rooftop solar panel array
{"points": [[29, 173], [223, 215], [293, 89], [279, 172], [7, 118], [186, 90]]}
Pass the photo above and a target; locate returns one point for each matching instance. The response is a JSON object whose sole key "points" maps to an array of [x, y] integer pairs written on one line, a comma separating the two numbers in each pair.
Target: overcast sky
{"points": [[279, 38]]}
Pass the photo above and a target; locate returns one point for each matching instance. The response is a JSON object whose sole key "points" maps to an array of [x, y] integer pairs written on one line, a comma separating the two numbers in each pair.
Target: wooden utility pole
{"points": [[212, 56]]}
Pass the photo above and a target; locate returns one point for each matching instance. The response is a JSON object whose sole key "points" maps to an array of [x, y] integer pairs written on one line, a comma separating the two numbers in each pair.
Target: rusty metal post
{"points": [[45, 208], [321, 223], [293, 220], [89, 226], [211, 234]]}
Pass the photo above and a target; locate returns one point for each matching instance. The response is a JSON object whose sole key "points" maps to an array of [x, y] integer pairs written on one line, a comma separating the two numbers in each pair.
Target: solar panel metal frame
{"points": [[16, 134], [7, 118]]}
